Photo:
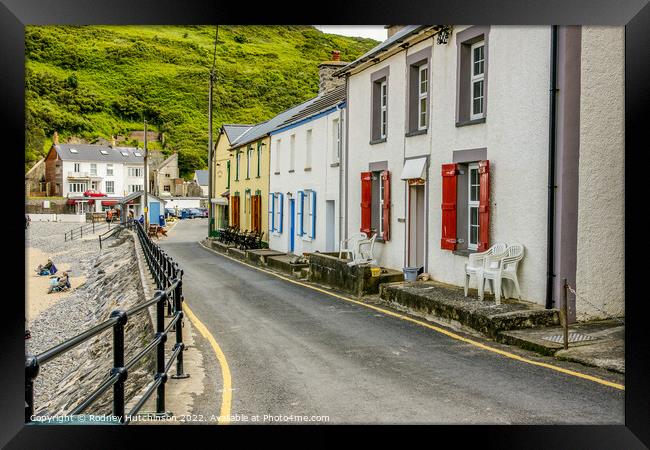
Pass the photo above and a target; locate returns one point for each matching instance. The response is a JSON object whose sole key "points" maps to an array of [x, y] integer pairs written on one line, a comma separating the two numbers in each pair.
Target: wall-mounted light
{"points": [[443, 35]]}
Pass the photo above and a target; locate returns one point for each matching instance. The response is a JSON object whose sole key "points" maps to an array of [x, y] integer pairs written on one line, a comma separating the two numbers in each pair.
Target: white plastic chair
{"points": [[506, 268], [349, 245], [363, 252], [477, 260]]}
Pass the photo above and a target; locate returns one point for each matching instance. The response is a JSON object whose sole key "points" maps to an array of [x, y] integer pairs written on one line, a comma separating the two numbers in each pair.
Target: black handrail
{"points": [[168, 277], [89, 227], [109, 232]]}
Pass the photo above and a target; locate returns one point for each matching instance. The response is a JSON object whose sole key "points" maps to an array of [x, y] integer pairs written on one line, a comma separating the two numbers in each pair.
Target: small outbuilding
{"points": [[134, 203]]}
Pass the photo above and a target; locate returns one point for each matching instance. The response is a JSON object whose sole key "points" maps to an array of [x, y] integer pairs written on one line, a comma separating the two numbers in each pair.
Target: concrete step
{"points": [[449, 303]]}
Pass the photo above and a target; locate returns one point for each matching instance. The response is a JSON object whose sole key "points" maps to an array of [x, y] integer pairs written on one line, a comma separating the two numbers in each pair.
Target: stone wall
{"points": [[113, 282], [57, 206], [327, 268]]}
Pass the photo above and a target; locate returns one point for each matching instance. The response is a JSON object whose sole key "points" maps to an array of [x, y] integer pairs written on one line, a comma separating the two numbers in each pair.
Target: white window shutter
{"points": [[271, 211], [301, 197], [281, 214]]}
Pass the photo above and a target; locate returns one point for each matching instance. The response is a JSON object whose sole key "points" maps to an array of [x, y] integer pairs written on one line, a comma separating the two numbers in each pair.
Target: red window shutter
{"points": [[449, 180], [385, 179], [366, 201], [484, 206]]}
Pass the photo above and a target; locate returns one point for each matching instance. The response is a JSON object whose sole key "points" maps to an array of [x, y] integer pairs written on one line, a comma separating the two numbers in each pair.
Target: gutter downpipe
{"points": [[346, 148], [552, 144]]}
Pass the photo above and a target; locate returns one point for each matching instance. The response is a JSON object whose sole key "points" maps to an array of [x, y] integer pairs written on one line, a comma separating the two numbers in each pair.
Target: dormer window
{"points": [[74, 150]]}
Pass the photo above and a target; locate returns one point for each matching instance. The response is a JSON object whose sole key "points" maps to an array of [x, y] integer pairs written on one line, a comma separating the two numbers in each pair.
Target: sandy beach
{"points": [[37, 299]]}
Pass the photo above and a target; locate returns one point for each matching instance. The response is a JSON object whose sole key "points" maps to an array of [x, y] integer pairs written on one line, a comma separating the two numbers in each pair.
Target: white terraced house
{"points": [[304, 193], [73, 169], [455, 135]]}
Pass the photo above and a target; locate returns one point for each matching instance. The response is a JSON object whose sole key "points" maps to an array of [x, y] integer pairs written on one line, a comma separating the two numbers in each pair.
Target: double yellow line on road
{"points": [[433, 327], [226, 398]]}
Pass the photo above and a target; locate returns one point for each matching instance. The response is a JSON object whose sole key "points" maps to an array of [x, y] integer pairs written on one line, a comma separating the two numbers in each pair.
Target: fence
{"points": [[88, 228], [168, 277]]}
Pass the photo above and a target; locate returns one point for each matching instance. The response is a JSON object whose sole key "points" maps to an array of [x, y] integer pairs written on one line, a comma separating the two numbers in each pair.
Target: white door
{"points": [[330, 226]]}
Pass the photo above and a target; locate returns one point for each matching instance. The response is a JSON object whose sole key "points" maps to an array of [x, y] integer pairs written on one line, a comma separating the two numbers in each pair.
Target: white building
{"points": [[73, 169], [451, 132], [304, 196]]}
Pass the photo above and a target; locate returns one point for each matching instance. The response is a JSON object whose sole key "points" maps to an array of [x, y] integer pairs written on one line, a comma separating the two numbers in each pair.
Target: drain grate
{"points": [[573, 337]]}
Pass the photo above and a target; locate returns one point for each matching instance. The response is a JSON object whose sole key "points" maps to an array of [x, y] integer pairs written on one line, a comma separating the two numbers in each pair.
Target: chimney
{"points": [[325, 70], [392, 29], [55, 138], [112, 141]]}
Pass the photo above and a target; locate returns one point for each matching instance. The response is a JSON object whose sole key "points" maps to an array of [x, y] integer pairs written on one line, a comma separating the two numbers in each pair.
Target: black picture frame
{"points": [[633, 14]]}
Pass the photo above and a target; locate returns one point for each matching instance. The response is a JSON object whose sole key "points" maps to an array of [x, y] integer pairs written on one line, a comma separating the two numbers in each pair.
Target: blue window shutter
{"points": [[281, 214], [313, 215], [271, 211], [301, 196]]}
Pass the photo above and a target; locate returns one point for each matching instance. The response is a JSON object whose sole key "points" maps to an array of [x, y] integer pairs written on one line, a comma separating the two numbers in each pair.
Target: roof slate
{"points": [[201, 177], [234, 131], [90, 152], [397, 38]]}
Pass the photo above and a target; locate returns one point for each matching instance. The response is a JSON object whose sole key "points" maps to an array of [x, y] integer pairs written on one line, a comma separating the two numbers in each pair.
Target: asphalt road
{"points": [[296, 351]]}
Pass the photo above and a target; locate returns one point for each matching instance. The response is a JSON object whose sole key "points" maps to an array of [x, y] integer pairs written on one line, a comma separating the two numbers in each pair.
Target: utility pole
{"points": [[210, 215], [146, 182], [210, 149]]}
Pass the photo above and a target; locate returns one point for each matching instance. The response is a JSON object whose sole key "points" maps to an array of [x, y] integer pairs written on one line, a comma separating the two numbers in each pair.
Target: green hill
{"points": [[92, 82]]}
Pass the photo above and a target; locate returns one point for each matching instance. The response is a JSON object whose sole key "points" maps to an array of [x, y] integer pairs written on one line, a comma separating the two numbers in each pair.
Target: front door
{"points": [[292, 224], [154, 212], [416, 241], [330, 225]]}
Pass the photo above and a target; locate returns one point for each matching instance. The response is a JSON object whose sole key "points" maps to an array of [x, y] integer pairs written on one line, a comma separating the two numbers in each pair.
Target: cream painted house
{"points": [[453, 134]]}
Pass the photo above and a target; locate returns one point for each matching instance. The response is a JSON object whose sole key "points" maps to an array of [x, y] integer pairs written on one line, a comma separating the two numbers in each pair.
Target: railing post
{"points": [[160, 354], [93, 222], [178, 306], [118, 364], [31, 372]]}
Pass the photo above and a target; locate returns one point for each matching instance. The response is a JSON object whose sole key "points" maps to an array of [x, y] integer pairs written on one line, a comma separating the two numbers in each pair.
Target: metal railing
{"points": [[88, 228], [110, 233], [168, 277]]}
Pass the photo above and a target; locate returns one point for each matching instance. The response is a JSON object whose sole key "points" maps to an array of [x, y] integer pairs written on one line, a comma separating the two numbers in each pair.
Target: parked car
{"points": [[170, 212], [195, 212], [204, 212], [94, 193]]}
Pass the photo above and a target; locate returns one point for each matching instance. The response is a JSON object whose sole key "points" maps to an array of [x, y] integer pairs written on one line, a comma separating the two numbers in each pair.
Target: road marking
{"points": [[432, 327], [226, 398]]}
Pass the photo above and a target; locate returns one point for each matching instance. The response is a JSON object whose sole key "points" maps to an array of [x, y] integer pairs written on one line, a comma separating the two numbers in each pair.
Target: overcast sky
{"points": [[376, 32]]}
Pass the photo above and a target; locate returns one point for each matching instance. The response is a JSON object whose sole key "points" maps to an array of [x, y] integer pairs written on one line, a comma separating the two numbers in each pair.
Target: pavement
{"points": [[598, 343], [294, 351]]}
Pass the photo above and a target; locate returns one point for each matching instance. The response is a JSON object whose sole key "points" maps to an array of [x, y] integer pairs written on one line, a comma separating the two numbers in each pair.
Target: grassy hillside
{"points": [[98, 81]]}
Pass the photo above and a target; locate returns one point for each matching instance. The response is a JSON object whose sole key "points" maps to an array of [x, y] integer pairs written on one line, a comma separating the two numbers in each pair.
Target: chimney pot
{"points": [[336, 55]]}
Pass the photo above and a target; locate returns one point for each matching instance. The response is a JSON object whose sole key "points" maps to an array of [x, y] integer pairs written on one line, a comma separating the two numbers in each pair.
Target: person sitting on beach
{"points": [[48, 269], [61, 283]]}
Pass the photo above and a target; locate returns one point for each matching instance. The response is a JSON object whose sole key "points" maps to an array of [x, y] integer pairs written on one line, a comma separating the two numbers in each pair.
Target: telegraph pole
{"points": [[146, 183], [210, 149]]}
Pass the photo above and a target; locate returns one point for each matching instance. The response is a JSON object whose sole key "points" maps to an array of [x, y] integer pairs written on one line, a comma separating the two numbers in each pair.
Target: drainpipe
{"points": [[550, 241], [347, 129], [340, 151]]}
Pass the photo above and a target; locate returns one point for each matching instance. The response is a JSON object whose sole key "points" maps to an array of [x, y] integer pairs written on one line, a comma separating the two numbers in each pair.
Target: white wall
{"points": [[120, 177], [361, 153], [600, 272], [515, 134], [183, 202], [322, 178], [81, 218]]}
